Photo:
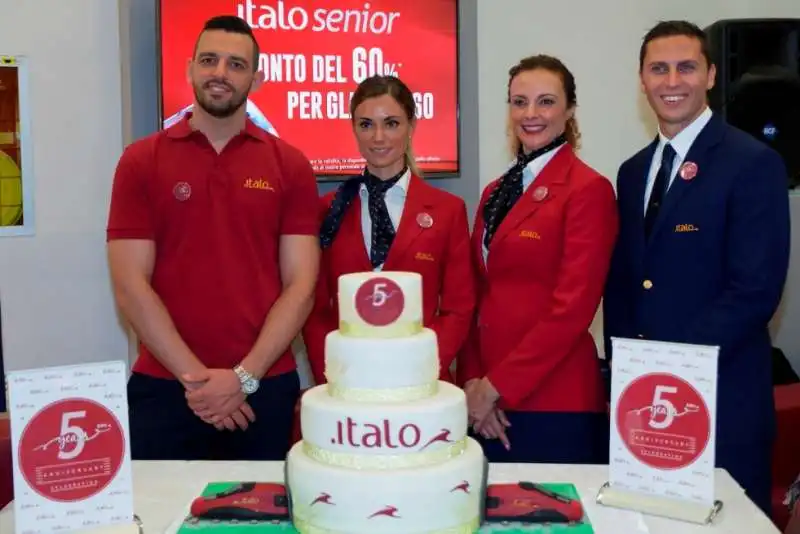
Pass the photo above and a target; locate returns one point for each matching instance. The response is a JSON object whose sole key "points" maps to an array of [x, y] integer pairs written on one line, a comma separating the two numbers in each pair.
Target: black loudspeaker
{"points": [[758, 82]]}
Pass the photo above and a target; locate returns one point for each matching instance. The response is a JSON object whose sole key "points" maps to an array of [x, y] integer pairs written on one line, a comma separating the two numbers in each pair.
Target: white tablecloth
{"points": [[164, 490]]}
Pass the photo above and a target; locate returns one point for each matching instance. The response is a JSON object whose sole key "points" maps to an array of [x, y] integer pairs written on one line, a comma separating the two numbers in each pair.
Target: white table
{"points": [[164, 490]]}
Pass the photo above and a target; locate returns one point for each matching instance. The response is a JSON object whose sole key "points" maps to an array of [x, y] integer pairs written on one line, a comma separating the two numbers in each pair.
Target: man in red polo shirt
{"points": [[212, 243]]}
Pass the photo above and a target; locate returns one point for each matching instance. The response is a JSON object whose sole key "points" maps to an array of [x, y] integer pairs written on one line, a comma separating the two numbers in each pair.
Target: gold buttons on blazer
{"points": [[647, 284]]}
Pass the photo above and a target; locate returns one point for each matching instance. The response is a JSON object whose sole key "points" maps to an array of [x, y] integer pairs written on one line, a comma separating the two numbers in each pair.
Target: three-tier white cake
{"points": [[385, 446]]}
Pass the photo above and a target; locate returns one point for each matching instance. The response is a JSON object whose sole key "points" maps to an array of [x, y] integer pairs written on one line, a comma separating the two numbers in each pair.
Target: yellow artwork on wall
{"points": [[16, 180], [10, 191], [10, 172]]}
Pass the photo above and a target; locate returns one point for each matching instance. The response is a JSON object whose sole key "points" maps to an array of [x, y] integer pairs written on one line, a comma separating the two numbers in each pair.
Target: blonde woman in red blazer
{"points": [[542, 242], [390, 219]]}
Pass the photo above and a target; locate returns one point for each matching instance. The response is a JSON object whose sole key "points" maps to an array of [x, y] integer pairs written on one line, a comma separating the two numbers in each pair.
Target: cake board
{"points": [[193, 525]]}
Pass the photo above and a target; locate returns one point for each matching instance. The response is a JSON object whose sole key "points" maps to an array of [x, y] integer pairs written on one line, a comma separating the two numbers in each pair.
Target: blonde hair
{"points": [[411, 161], [555, 66], [376, 86]]}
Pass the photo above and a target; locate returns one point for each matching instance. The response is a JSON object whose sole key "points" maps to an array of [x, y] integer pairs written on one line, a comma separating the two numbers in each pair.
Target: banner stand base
{"points": [[134, 527], [660, 506]]}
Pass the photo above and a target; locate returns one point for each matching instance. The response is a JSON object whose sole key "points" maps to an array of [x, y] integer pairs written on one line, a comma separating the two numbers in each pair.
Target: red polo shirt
{"points": [[216, 220]]}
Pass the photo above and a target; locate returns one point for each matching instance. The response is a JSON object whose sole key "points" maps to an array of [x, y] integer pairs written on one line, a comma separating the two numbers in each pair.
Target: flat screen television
{"points": [[313, 54]]}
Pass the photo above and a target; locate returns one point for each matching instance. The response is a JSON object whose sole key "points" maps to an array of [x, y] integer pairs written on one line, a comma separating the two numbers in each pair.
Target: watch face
{"points": [[250, 386]]}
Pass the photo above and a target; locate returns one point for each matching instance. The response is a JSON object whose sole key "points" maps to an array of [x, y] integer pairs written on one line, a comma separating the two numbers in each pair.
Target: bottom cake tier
{"points": [[444, 498]]}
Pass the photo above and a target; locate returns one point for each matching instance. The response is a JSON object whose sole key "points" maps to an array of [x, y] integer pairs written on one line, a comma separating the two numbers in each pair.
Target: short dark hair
{"points": [[231, 24], [672, 28]]}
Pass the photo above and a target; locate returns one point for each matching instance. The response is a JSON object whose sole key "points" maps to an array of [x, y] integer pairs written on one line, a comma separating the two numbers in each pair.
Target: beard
{"points": [[215, 108]]}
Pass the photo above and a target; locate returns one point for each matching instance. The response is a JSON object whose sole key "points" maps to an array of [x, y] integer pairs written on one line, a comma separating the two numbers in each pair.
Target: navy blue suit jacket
{"points": [[717, 260]]}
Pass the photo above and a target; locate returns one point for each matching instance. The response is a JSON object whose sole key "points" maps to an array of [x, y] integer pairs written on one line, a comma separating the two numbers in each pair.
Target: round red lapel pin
{"points": [[182, 191], [424, 220], [688, 170], [540, 193]]}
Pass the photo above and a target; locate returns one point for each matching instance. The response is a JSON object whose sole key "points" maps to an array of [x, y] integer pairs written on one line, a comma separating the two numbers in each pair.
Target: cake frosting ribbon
{"points": [[398, 329], [402, 394], [385, 461], [307, 527]]}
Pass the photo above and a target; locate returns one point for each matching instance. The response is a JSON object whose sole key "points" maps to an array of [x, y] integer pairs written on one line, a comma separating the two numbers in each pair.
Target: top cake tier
{"points": [[380, 305]]}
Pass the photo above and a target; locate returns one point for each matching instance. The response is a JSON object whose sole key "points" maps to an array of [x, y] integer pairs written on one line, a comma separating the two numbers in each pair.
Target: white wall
{"points": [[54, 290], [599, 42]]}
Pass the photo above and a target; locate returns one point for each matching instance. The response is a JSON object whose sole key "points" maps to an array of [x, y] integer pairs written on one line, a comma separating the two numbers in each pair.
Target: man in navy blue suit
{"points": [[703, 246]]}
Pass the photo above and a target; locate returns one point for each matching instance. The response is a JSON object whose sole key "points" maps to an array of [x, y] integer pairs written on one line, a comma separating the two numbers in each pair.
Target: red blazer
{"points": [[440, 253], [547, 266]]}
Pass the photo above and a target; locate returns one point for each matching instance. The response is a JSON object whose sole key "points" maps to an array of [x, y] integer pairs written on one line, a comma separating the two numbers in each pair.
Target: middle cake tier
{"points": [[384, 436], [382, 370]]}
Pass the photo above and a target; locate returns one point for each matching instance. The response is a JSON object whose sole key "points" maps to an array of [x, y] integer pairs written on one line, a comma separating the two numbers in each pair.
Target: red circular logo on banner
{"points": [[663, 421], [71, 449], [379, 301]]}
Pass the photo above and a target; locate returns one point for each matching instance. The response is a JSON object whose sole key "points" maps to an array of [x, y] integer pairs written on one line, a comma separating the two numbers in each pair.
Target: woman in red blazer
{"points": [[390, 219], [542, 240]]}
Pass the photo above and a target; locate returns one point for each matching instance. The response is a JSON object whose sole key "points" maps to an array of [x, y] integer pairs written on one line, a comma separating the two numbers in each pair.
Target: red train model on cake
{"points": [[247, 501], [529, 503]]}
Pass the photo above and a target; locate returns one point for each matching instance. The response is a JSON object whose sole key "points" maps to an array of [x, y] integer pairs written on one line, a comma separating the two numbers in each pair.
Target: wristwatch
{"points": [[249, 382]]}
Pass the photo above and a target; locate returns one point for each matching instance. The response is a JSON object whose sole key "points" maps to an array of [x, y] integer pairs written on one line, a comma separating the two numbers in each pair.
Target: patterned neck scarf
{"points": [[383, 231], [509, 189]]}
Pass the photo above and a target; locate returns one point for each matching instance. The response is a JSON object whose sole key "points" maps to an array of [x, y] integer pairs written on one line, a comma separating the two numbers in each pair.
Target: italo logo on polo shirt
{"points": [[258, 183]]}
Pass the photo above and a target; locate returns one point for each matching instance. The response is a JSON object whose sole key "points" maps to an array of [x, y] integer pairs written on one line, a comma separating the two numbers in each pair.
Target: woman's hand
{"points": [[469, 390], [481, 397], [484, 417], [494, 427]]}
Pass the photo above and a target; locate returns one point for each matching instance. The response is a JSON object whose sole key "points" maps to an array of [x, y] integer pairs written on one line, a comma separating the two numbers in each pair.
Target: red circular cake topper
{"points": [[71, 450], [663, 421], [379, 301]]}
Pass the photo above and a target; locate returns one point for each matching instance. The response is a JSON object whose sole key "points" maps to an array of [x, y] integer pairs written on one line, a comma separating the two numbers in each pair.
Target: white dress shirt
{"points": [[529, 174], [681, 143], [395, 200]]}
